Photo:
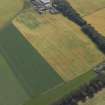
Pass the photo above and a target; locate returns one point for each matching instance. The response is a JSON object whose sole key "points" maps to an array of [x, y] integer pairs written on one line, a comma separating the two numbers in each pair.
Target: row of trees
{"points": [[67, 10], [85, 92], [95, 36]]}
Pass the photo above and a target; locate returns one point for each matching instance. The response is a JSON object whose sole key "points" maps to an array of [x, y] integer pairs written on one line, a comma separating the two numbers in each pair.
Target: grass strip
{"points": [[62, 91]]}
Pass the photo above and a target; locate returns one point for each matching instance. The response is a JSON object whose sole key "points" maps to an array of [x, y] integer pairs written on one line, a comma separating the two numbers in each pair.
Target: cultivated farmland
{"points": [[56, 39], [8, 9], [86, 7], [27, 66]]}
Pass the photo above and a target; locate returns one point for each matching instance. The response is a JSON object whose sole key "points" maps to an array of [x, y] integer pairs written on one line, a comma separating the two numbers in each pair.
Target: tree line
{"points": [[68, 11]]}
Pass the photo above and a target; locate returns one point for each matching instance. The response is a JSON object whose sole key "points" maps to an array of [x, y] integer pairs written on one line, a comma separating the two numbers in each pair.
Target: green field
{"points": [[11, 91], [32, 72]]}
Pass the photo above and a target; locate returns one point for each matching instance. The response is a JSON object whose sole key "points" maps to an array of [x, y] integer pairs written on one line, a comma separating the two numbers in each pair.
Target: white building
{"points": [[45, 1], [43, 5]]}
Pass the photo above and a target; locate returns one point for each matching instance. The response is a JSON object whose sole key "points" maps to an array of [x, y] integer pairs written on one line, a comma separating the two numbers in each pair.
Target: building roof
{"points": [[45, 1]]}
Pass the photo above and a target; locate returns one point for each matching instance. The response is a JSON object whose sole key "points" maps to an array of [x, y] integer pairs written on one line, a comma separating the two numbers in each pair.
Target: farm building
{"points": [[44, 5]]}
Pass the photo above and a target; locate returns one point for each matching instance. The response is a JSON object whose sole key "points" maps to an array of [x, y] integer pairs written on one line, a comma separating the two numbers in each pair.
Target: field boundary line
{"points": [[97, 10], [59, 85]]}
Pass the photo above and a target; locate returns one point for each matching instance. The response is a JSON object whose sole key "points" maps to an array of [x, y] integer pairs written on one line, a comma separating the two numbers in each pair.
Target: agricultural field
{"points": [[97, 20], [56, 39], [8, 9], [87, 7], [29, 73], [45, 57]]}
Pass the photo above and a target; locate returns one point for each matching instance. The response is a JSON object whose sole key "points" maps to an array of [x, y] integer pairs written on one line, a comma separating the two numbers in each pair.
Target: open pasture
{"points": [[86, 7], [97, 20], [62, 44], [8, 9]]}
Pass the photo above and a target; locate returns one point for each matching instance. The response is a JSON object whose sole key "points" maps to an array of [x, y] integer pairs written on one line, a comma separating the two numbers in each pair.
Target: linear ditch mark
{"points": [[96, 84], [52, 89]]}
